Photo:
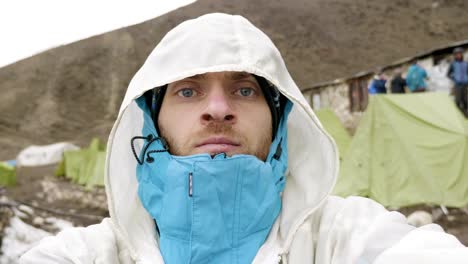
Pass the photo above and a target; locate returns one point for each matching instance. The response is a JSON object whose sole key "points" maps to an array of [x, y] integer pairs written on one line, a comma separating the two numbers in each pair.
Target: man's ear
{"points": [[270, 93], [157, 96]]}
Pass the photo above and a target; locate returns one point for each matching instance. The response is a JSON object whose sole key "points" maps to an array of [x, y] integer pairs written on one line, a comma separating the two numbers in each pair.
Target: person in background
{"points": [[458, 73], [398, 83], [377, 85], [415, 78]]}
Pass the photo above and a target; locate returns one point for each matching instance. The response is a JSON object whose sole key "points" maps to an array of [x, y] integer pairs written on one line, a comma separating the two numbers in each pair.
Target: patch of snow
{"points": [[19, 237], [38, 221], [20, 214], [26, 209], [59, 224], [419, 218]]}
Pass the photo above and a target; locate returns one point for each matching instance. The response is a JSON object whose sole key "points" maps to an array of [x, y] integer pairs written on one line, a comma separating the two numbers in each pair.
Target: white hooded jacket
{"points": [[313, 226]]}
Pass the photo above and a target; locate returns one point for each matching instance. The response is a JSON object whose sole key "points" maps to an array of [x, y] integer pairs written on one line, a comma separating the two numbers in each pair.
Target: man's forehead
{"points": [[230, 75]]}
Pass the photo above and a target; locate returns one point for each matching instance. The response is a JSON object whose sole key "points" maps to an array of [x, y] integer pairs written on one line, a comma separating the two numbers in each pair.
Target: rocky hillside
{"points": [[73, 92]]}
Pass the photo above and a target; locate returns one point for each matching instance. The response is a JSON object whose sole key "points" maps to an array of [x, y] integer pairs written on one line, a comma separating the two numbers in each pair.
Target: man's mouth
{"points": [[215, 145]]}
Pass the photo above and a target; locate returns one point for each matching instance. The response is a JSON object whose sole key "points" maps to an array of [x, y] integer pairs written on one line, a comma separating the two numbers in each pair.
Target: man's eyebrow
{"points": [[197, 77], [235, 76]]}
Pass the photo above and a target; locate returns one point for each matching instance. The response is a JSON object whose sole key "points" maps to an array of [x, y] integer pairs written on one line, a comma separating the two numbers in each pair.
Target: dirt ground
{"points": [[455, 222], [51, 196]]}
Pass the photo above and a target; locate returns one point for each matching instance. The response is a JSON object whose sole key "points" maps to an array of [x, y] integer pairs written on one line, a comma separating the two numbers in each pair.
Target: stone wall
{"points": [[335, 97]]}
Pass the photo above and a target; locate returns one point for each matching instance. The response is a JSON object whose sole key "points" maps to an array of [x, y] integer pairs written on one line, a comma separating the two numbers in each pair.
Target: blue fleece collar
{"points": [[211, 210]]}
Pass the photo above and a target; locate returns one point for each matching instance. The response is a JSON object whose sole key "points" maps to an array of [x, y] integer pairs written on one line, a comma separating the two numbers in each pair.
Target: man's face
{"points": [[223, 112], [458, 56]]}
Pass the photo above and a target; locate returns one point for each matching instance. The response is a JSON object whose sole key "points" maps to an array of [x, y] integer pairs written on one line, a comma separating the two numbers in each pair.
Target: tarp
{"points": [[43, 155], [408, 149], [7, 174], [438, 80], [86, 166], [333, 125]]}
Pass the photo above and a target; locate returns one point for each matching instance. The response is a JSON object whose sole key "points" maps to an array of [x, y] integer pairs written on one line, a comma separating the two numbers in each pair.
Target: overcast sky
{"points": [[28, 27]]}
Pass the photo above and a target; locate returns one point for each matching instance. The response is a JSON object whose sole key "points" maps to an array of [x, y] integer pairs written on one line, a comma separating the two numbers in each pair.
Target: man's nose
{"points": [[218, 108]]}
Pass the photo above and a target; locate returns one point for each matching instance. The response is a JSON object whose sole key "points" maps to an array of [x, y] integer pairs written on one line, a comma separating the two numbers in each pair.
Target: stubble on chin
{"points": [[259, 149]]}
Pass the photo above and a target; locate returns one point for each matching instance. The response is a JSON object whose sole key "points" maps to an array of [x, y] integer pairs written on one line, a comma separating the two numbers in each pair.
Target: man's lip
{"points": [[218, 141]]}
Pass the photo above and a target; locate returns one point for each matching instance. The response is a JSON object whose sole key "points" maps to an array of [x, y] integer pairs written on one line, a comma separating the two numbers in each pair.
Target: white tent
{"points": [[43, 155]]}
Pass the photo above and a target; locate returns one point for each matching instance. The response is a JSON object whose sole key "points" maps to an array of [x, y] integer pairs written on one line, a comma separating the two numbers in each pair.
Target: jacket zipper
{"points": [[190, 184]]}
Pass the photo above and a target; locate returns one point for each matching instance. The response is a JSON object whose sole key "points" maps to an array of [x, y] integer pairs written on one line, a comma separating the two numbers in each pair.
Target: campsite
{"points": [[74, 193], [408, 152]]}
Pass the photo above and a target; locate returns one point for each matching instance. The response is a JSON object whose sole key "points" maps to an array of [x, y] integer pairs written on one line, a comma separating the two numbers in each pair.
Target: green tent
{"points": [[85, 166], [408, 149], [333, 125], [7, 174]]}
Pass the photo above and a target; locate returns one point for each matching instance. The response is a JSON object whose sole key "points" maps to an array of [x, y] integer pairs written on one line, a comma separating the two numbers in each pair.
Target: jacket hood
{"points": [[215, 43]]}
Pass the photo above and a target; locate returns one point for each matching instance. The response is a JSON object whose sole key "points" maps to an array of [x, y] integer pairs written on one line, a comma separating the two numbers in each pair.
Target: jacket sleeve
{"points": [[93, 244], [359, 230], [428, 244]]}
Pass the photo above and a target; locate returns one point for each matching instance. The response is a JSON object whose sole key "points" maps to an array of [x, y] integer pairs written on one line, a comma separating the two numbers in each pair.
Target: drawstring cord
{"points": [[150, 140]]}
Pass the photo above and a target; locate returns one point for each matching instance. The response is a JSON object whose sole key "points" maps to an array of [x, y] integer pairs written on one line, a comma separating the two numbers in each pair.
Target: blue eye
{"points": [[186, 92], [246, 91]]}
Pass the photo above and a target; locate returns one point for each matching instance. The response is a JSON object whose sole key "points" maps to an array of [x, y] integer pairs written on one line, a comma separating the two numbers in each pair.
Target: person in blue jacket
{"points": [[415, 78], [458, 73], [377, 85]]}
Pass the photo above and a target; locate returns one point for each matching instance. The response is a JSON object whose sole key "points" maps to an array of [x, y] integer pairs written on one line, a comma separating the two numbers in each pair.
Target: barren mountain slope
{"points": [[73, 92]]}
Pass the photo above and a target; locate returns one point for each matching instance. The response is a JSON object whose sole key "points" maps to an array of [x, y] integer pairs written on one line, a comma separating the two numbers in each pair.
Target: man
{"points": [[398, 83], [458, 73], [216, 157], [377, 85], [415, 78]]}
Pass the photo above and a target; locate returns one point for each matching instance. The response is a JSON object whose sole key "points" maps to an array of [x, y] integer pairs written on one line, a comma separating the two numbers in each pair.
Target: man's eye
{"points": [[246, 91], [187, 92]]}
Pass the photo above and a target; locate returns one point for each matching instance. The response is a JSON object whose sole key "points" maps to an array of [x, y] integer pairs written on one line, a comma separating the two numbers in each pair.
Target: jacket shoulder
{"points": [[358, 229], [362, 230]]}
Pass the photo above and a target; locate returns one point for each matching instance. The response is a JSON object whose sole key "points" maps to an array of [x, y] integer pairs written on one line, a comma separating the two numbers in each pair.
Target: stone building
{"points": [[348, 97]]}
